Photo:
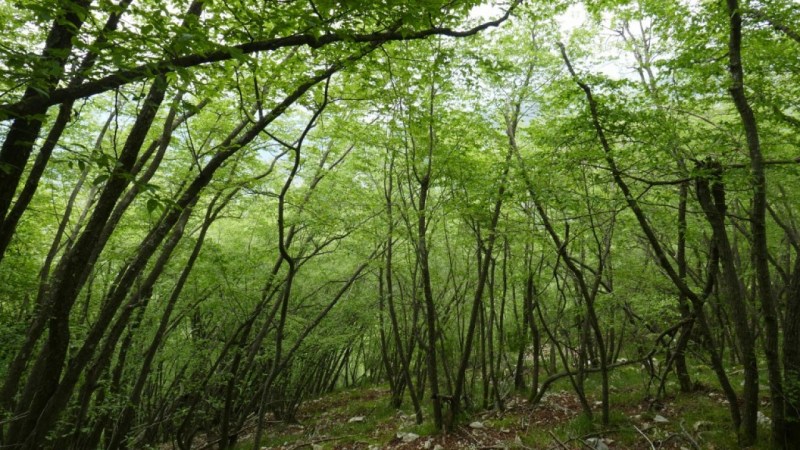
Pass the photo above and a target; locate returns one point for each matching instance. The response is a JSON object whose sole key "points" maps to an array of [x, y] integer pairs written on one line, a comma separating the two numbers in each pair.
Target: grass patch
{"points": [[703, 414]]}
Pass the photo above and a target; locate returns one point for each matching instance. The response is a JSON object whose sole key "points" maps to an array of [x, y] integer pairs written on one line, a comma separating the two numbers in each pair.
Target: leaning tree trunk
{"points": [[21, 136]]}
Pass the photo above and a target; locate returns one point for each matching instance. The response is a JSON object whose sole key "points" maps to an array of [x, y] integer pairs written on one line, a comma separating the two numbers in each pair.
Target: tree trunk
{"points": [[22, 135], [759, 249], [791, 356], [712, 200]]}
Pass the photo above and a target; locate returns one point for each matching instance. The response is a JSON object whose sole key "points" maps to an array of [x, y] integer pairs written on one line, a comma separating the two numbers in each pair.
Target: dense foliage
{"points": [[211, 211]]}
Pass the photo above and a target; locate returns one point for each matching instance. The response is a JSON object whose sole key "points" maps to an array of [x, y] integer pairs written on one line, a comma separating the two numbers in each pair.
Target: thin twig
{"points": [[653, 447], [555, 438]]}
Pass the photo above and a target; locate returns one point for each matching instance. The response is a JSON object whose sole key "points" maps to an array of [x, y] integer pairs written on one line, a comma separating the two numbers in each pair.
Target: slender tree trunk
{"points": [[530, 305], [661, 256], [8, 225], [49, 69], [395, 386], [430, 306], [70, 275], [494, 356], [519, 371], [759, 249], [712, 200], [287, 286], [405, 358], [681, 369], [230, 147], [125, 419], [484, 266]]}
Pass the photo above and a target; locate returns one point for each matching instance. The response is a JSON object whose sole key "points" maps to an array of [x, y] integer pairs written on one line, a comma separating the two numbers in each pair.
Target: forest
{"points": [[364, 224]]}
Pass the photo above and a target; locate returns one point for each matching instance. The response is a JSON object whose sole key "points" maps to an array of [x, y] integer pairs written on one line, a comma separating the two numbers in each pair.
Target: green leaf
{"points": [[152, 205], [100, 179]]}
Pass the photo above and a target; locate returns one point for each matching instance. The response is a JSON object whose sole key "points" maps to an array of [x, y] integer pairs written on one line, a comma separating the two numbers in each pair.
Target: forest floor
{"points": [[361, 418]]}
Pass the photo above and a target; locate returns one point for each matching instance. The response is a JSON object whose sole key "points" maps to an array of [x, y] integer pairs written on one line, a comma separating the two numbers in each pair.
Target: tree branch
{"points": [[126, 76]]}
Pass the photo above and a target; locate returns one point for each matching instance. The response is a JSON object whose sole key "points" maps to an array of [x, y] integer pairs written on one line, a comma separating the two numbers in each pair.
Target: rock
{"points": [[357, 419], [701, 424], [518, 441], [596, 444], [660, 419], [428, 444], [438, 447], [763, 419], [477, 425], [407, 437]]}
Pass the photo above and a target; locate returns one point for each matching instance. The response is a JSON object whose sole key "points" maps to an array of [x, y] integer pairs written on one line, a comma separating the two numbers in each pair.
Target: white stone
{"points": [[596, 444], [438, 447], [407, 437], [477, 425], [763, 419], [660, 419], [357, 419]]}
